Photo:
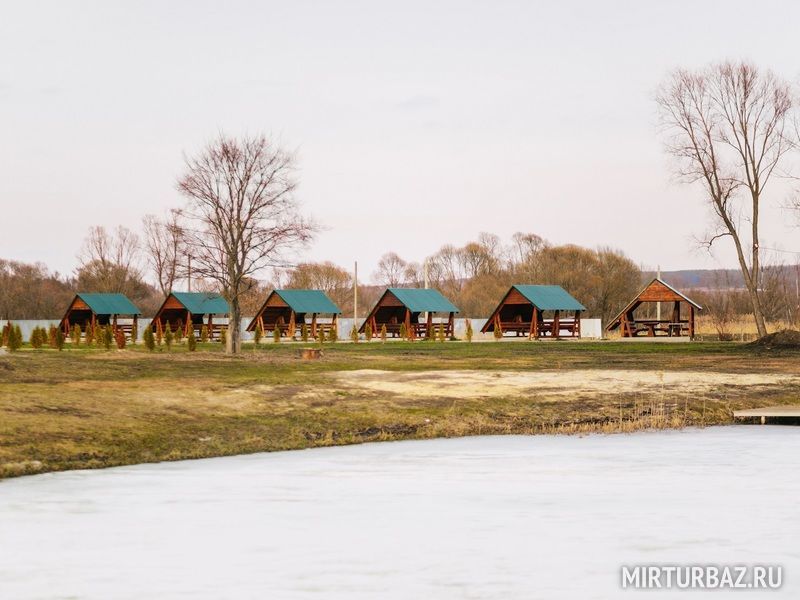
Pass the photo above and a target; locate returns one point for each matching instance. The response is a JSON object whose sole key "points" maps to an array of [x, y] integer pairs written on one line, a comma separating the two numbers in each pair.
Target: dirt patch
{"points": [[541, 385], [784, 339]]}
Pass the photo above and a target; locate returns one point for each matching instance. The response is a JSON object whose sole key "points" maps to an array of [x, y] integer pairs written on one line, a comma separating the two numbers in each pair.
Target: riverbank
{"points": [[81, 409]]}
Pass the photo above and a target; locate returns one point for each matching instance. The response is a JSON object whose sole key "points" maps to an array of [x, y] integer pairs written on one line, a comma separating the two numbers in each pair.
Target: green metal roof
{"points": [[110, 304], [308, 301], [423, 300], [549, 297], [203, 303]]}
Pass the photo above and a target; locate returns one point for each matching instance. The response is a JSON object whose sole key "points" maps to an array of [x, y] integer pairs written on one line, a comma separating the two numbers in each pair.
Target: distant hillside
{"points": [[698, 279]]}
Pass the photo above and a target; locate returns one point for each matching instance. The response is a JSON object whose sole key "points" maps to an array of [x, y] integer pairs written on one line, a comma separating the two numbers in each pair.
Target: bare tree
{"points": [[31, 291], [110, 261], [391, 270], [726, 126], [335, 281], [242, 214], [165, 248]]}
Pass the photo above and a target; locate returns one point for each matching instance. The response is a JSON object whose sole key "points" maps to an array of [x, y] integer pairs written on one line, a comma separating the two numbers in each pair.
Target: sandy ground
{"points": [[555, 384]]}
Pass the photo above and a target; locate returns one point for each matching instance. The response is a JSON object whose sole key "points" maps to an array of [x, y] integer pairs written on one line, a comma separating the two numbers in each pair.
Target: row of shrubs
{"points": [[105, 336]]}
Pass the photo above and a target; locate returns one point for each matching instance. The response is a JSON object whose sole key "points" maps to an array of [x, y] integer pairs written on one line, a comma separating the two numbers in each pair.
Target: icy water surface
{"points": [[483, 517]]}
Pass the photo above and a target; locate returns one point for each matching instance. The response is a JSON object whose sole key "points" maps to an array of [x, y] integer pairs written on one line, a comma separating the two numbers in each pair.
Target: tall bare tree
{"points": [[165, 249], [110, 261], [726, 126], [391, 270], [242, 215]]}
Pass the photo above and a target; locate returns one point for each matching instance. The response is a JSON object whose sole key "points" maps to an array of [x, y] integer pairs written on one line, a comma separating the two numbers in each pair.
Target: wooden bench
{"points": [[518, 328], [653, 327], [421, 329]]}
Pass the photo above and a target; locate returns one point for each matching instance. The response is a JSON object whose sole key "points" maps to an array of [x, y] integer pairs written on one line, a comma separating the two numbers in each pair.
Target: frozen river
{"points": [[483, 517]]}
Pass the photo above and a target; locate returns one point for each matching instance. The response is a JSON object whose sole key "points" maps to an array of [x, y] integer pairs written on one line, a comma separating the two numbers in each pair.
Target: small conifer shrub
{"points": [[367, 332], [403, 331], [75, 335], [14, 341], [168, 337], [89, 335], [304, 332], [468, 331], [120, 339], [35, 339], [107, 337], [51, 336], [354, 335], [498, 332], [149, 339], [203, 334], [383, 333], [276, 335], [134, 332], [321, 335], [333, 334], [223, 335], [179, 332], [191, 340], [258, 334], [59, 339]]}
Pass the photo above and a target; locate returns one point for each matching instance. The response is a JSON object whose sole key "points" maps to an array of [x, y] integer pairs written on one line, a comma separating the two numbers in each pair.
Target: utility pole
{"points": [[658, 304], [355, 295], [425, 279]]}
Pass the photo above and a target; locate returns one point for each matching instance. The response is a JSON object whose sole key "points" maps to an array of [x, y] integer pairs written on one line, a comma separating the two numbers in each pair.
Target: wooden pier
{"points": [[769, 412]]}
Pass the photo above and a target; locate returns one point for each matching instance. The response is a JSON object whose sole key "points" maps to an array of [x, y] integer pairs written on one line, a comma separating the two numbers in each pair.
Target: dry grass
{"points": [[742, 328], [91, 409]]}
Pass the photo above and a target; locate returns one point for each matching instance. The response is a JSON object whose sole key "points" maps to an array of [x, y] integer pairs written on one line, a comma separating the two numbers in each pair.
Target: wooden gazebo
{"points": [[93, 310], [399, 306], [676, 324], [288, 310], [191, 309], [537, 311]]}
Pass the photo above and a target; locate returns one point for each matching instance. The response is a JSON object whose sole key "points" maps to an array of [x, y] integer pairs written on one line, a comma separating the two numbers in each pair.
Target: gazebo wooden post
{"points": [[210, 327], [429, 324], [411, 333], [335, 323], [627, 328], [451, 324], [691, 322], [66, 327], [94, 322], [576, 331], [293, 324], [114, 324], [135, 325], [556, 325], [373, 325], [188, 323], [534, 324]]}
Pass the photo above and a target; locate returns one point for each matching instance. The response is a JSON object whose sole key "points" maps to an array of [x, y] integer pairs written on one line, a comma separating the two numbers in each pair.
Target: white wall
{"points": [[590, 328]]}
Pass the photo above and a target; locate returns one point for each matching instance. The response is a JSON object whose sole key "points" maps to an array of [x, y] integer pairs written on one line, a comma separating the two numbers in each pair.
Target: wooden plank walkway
{"points": [[768, 412]]}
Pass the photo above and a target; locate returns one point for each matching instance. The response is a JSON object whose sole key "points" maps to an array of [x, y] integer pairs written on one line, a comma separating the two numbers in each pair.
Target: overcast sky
{"points": [[415, 123]]}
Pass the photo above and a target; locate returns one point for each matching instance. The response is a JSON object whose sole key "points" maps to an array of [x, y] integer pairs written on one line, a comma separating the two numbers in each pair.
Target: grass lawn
{"points": [[90, 408]]}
